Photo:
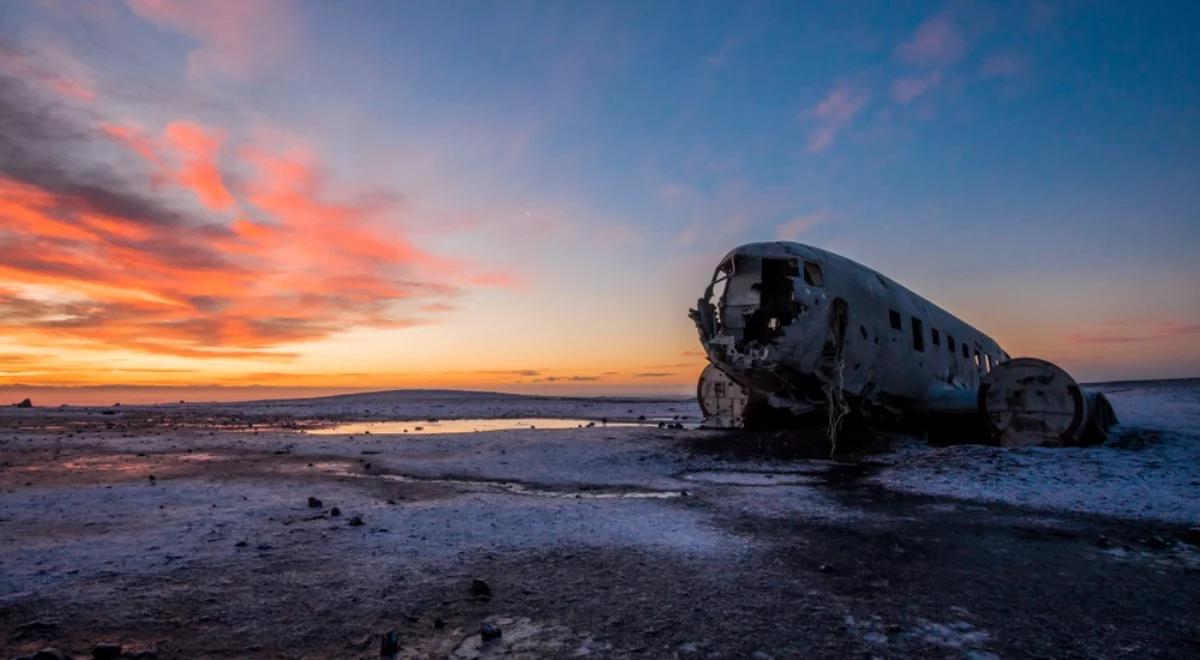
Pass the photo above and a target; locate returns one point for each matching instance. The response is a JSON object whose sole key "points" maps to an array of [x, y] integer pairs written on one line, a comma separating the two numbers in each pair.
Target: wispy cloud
{"points": [[1169, 330], [1006, 64], [937, 41], [907, 89], [799, 225], [236, 38], [834, 113]]}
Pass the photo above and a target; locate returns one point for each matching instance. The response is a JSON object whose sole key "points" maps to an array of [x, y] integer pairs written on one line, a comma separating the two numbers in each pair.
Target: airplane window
{"points": [[812, 274], [918, 332], [894, 317], [937, 338], [987, 362], [950, 343], [977, 362]]}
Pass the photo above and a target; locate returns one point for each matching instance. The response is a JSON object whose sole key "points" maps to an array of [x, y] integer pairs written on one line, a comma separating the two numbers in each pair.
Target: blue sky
{"points": [[1031, 166]]}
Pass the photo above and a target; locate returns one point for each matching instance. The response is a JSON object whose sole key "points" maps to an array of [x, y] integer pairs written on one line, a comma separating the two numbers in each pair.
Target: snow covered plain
{"points": [[1149, 468], [185, 531]]}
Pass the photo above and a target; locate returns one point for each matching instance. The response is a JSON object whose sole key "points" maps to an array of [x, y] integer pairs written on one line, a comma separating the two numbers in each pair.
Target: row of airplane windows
{"points": [[918, 341]]}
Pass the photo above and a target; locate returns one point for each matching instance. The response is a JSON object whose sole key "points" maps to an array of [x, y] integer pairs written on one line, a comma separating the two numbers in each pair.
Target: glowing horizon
{"points": [[529, 198]]}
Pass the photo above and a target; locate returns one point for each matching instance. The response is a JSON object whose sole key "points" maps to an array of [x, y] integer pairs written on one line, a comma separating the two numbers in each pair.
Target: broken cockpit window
{"points": [[777, 307], [715, 297], [812, 274]]}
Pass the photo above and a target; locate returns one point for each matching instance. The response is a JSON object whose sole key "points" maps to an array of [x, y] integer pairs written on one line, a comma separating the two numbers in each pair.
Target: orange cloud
{"points": [[96, 253], [199, 169]]}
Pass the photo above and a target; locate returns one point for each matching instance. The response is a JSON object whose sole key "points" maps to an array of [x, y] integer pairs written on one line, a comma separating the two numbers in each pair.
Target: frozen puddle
{"points": [[467, 426], [511, 487], [753, 478]]}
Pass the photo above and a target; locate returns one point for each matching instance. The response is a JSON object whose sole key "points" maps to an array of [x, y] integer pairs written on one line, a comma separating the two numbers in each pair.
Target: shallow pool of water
{"points": [[467, 426]]}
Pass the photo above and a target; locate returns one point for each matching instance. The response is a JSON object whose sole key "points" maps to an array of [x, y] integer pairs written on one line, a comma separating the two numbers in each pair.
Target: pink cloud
{"points": [[1006, 65], [907, 89], [1166, 330], [938, 41], [843, 103], [794, 228], [237, 38]]}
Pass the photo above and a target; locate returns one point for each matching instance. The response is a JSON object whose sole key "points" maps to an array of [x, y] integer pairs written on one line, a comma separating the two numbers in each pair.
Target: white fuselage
{"points": [[786, 320]]}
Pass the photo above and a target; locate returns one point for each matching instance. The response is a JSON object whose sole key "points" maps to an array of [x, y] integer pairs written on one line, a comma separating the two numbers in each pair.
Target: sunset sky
{"points": [[528, 197]]}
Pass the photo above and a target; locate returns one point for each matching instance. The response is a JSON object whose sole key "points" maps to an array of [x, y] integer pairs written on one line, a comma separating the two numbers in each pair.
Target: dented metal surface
{"points": [[802, 330]]}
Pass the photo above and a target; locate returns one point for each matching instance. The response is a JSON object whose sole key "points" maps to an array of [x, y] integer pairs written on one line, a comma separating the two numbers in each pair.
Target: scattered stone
{"points": [[825, 568], [1190, 536], [106, 651], [1103, 541], [489, 632], [25, 403], [50, 654], [36, 626], [263, 546], [479, 588], [335, 512], [390, 644], [314, 503], [1156, 543], [356, 521], [438, 624], [241, 544]]}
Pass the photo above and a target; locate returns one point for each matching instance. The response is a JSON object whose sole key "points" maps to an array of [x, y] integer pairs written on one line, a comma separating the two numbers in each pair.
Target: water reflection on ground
{"points": [[468, 426]]}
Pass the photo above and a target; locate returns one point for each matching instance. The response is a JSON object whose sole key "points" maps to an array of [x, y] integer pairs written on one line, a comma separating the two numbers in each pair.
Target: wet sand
{"points": [[187, 532]]}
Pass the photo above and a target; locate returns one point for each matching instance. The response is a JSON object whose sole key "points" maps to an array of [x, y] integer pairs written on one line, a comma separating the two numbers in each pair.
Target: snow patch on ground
{"points": [[1149, 469]]}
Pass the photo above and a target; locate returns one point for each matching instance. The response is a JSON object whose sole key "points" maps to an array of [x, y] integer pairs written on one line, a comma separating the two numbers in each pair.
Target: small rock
{"points": [[825, 568], [106, 651], [241, 544], [480, 588], [1103, 541], [1156, 543], [390, 644], [1190, 535], [893, 629], [25, 403], [489, 631], [50, 654], [356, 521], [335, 512], [438, 624], [314, 503]]}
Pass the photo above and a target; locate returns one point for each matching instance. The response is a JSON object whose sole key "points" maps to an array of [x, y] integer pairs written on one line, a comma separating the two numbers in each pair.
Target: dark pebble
{"points": [[390, 644], [356, 521], [489, 631], [314, 503], [335, 512], [106, 651], [480, 588]]}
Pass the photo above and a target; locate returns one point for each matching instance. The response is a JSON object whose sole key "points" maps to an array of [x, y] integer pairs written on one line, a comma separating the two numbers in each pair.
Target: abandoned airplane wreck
{"points": [[791, 330]]}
